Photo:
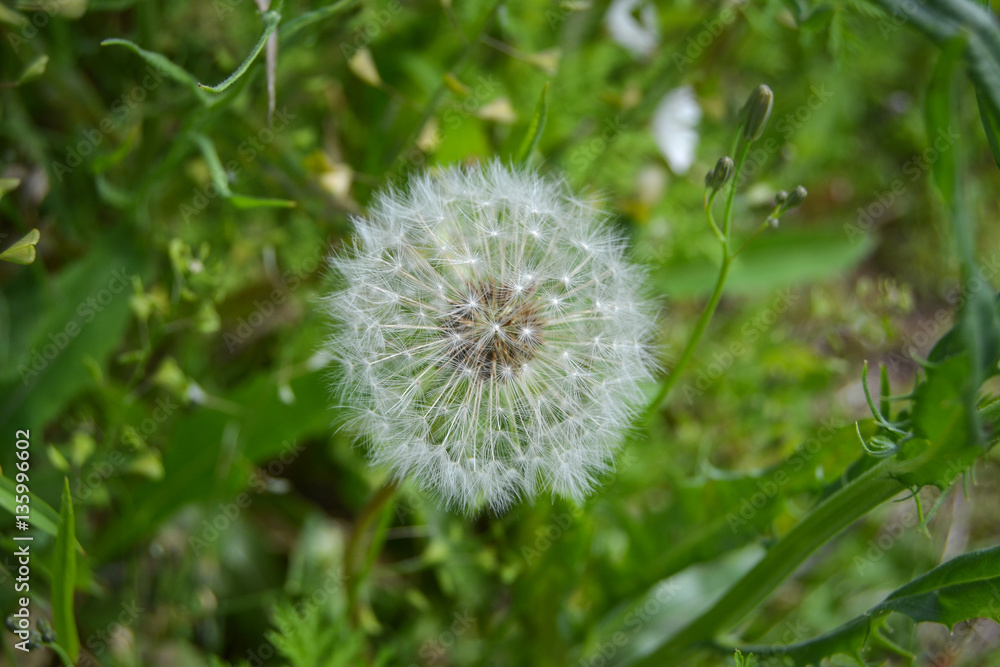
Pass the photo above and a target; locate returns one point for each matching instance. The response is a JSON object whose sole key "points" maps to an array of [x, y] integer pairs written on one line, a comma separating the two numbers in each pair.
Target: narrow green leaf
{"points": [[8, 184], [10, 17], [23, 250], [535, 128], [271, 19], [215, 168], [939, 116], [163, 65], [305, 20], [243, 201], [43, 517], [991, 124], [35, 69], [64, 577], [218, 173]]}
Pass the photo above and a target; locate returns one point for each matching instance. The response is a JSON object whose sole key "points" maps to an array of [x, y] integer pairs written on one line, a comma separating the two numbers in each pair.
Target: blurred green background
{"points": [[163, 349]]}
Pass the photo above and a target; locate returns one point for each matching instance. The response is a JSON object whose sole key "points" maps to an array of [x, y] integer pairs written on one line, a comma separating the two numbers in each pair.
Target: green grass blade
{"points": [[163, 64], [215, 168], [991, 126], [271, 19], [64, 577], [305, 20], [244, 201], [535, 128], [218, 174], [43, 517]]}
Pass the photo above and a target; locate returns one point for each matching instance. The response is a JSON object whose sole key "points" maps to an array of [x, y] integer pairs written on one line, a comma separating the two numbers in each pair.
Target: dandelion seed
{"points": [[493, 379]]}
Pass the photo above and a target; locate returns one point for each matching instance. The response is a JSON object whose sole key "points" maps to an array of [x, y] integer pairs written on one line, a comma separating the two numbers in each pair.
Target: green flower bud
{"points": [[720, 175], [756, 112], [780, 198], [797, 197]]}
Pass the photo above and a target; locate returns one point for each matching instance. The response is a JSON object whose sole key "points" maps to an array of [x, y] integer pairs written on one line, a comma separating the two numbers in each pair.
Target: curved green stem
{"points": [[354, 552], [720, 283], [840, 510], [695, 338]]}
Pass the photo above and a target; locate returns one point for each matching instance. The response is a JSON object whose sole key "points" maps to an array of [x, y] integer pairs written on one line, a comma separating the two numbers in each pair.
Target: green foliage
{"points": [[307, 639], [64, 578], [162, 344]]}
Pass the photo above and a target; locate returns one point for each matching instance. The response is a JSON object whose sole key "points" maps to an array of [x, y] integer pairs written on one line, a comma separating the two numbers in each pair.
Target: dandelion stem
{"points": [[720, 283], [354, 562]]}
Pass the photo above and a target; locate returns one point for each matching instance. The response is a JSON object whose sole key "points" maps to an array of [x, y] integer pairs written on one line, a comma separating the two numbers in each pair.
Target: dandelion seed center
{"points": [[494, 330]]}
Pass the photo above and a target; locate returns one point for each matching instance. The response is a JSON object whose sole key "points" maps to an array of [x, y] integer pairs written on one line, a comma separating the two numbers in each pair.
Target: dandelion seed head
{"points": [[492, 336]]}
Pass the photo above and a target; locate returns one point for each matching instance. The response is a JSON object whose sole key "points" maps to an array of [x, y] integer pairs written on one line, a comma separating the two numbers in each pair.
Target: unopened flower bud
{"points": [[720, 175], [797, 197], [780, 198], [756, 112]]}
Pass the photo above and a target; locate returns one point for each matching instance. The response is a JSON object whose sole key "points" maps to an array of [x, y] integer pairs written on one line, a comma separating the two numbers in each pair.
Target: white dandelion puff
{"points": [[491, 336]]}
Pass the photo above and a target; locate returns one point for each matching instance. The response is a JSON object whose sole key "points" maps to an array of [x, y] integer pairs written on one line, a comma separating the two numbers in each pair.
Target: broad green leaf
{"points": [[772, 261], [23, 250], [271, 19], [962, 589], [264, 426], [76, 317], [64, 577], [966, 587], [535, 128]]}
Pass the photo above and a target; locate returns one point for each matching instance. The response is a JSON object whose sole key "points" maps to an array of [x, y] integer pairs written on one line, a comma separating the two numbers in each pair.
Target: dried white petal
{"points": [[674, 123]]}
